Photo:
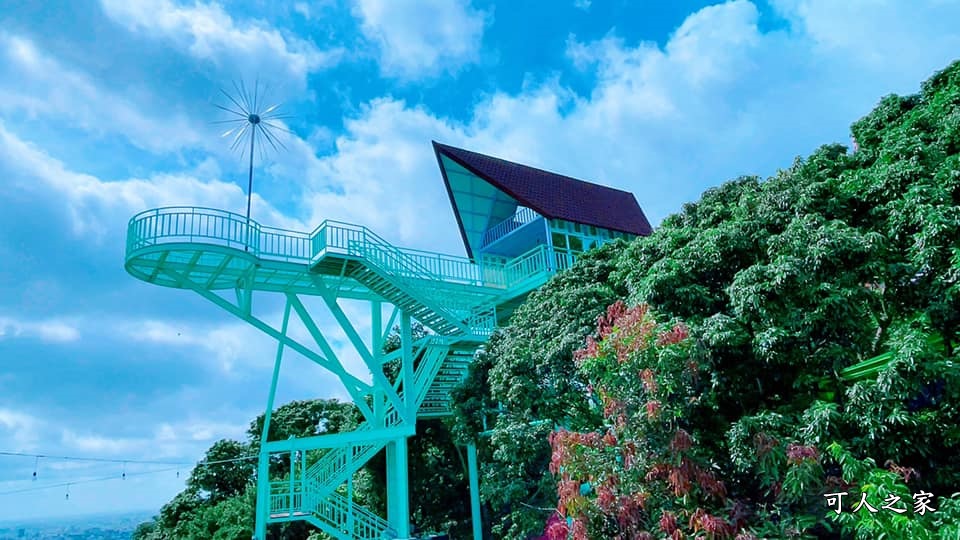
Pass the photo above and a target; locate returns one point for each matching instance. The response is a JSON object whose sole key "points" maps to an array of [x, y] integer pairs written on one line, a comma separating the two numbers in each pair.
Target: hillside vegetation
{"points": [[691, 379], [689, 384]]}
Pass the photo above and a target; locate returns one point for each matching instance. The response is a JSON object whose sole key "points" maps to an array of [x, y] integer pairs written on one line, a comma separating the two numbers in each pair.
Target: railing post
{"points": [[350, 506], [292, 471]]}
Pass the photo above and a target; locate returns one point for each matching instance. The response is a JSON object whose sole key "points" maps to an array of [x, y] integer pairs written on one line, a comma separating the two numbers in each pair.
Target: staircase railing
{"points": [[343, 515], [338, 464]]}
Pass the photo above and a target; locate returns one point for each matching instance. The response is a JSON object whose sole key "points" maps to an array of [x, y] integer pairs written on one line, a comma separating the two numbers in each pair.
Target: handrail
{"points": [[521, 217], [228, 229], [217, 227]]}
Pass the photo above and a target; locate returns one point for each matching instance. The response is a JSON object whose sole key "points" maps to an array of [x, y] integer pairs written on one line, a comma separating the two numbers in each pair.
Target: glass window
{"points": [[559, 241], [576, 243]]}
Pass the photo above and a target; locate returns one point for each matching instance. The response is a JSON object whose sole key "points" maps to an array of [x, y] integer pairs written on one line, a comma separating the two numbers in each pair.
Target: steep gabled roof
{"points": [[549, 194]]}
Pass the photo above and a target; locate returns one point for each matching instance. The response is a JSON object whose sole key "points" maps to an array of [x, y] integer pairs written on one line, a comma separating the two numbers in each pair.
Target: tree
{"points": [[527, 373], [783, 284]]}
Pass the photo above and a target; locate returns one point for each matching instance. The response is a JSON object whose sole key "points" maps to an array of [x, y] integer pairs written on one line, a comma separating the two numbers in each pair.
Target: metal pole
{"points": [[250, 187]]}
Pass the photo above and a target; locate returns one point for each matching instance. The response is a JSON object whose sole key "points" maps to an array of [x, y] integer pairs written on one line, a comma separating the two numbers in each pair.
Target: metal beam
{"points": [[474, 491], [328, 352], [272, 332], [263, 464], [339, 440], [379, 379]]}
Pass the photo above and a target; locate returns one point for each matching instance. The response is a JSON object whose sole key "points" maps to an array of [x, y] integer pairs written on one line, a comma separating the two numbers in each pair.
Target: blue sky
{"points": [[106, 110]]}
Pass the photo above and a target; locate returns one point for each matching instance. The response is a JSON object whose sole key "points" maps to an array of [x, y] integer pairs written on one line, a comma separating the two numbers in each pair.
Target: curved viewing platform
{"points": [[148, 231]]}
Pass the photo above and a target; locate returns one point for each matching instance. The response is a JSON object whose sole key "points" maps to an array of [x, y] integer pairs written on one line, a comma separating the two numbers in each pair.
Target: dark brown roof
{"points": [[552, 195]]}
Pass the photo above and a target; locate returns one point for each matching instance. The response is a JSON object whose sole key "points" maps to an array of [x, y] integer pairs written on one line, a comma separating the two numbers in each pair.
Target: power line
{"points": [[126, 461], [113, 460], [87, 481], [98, 460]]}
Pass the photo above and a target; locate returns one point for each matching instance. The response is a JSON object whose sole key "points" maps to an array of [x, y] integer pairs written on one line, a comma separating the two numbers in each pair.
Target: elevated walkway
{"points": [[214, 252]]}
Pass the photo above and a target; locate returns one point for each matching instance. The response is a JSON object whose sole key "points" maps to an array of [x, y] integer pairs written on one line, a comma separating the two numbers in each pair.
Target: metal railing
{"points": [[221, 228], [522, 216], [215, 227]]}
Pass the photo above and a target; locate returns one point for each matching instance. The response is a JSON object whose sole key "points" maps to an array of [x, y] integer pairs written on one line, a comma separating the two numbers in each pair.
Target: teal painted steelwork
{"points": [[462, 301]]}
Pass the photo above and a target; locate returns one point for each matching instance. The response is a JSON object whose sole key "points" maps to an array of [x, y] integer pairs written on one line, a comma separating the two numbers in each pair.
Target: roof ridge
{"points": [[551, 173]]}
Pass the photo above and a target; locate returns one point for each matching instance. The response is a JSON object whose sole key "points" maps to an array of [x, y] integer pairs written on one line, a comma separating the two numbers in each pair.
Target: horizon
{"points": [[108, 111]]}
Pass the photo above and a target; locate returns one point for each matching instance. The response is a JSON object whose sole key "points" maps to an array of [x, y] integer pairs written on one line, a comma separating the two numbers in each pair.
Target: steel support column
{"points": [[263, 463], [398, 487], [474, 491]]}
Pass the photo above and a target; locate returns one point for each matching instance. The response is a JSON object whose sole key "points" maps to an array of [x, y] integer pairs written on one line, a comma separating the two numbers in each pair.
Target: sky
{"points": [[108, 108]]}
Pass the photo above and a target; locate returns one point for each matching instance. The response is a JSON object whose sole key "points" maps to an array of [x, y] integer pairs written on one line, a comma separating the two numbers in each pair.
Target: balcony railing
{"points": [[220, 228], [519, 219]]}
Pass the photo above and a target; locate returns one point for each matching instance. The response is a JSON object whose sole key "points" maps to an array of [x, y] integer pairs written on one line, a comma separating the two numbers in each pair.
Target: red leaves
{"points": [[605, 498], [557, 529], [613, 407], [653, 409], [764, 443], [904, 472], [681, 442], [641, 459], [569, 499], [668, 522], [649, 384], [677, 334], [610, 438], [579, 530], [797, 454], [590, 351], [712, 525]]}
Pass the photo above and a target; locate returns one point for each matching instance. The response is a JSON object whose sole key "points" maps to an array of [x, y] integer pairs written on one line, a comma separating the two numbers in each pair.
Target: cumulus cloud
{"points": [[207, 32], [96, 206], [420, 39], [49, 330], [19, 428], [38, 85], [719, 99]]}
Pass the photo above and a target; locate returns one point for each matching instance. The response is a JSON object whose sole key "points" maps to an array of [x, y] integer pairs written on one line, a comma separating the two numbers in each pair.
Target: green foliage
{"points": [[220, 498], [784, 283], [527, 370], [224, 479]]}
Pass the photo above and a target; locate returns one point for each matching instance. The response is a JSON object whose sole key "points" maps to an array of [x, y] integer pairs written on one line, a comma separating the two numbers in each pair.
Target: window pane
{"points": [[559, 241]]}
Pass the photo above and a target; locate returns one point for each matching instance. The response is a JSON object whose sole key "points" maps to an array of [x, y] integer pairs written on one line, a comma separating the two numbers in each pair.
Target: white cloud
{"points": [[98, 444], [422, 38], [96, 206], [207, 32], [230, 345], [49, 330], [718, 100], [39, 86], [885, 36], [167, 440], [19, 428], [582, 4], [205, 431], [302, 8]]}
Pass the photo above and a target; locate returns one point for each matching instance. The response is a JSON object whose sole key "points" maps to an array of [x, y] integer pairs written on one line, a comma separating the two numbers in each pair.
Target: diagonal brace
{"points": [[354, 385], [376, 370]]}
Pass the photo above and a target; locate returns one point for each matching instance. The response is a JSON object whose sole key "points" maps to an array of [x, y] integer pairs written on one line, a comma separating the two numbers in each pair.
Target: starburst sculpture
{"points": [[251, 120]]}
